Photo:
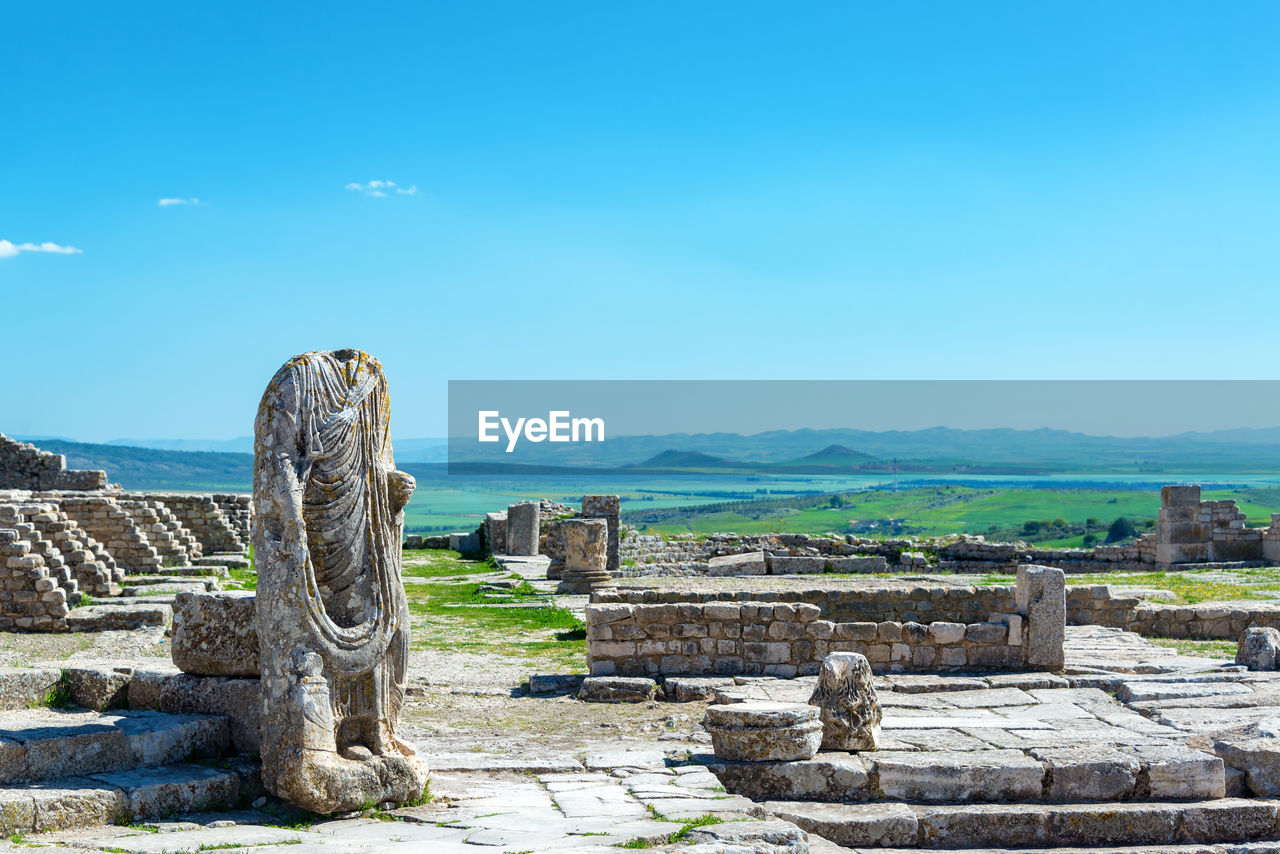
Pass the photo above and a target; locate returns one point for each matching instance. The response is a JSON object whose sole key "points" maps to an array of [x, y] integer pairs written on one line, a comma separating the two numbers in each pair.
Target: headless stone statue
{"points": [[332, 620]]}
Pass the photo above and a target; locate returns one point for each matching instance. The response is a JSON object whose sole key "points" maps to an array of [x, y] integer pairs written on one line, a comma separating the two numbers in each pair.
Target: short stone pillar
{"points": [[764, 731], [846, 700], [584, 556], [607, 507], [1181, 535], [494, 528], [1259, 648], [523, 528], [1041, 595]]}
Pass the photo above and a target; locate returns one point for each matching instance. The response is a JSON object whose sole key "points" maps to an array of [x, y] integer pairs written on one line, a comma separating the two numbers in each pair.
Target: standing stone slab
{"points": [[331, 614], [214, 634], [847, 700], [607, 507], [523, 528], [1041, 594]]}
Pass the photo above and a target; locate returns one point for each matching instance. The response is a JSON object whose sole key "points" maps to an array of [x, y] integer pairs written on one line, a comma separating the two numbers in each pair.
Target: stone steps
{"points": [[117, 797], [165, 588], [45, 744], [209, 582], [1024, 827], [120, 615], [1153, 771], [62, 769], [230, 561]]}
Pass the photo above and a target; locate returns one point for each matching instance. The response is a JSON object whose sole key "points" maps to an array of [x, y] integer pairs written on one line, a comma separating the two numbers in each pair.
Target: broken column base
{"points": [[572, 581]]}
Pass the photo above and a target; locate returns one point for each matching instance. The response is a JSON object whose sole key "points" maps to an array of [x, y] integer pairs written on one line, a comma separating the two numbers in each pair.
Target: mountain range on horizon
{"points": [[203, 464]]}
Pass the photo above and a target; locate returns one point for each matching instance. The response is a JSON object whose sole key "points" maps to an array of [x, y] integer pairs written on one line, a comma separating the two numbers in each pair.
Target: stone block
{"points": [[852, 826], [1259, 648], [1089, 773], [1180, 496], [981, 824], [523, 528], [1178, 772], [1258, 758], [949, 776], [617, 689], [751, 563], [98, 688], [237, 699], [835, 777], [762, 731], [214, 634], [26, 687], [796, 565]]}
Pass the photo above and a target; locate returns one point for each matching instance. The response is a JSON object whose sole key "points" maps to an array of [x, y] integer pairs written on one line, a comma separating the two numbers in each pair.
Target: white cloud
{"points": [[8, 250], [380, 189], [164, 203]]}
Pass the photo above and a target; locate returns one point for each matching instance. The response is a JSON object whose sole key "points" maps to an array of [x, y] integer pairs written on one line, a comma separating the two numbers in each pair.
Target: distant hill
{"points": [[836, 455], [673, 459], [240, 444], [406, 450], [152, 468]]}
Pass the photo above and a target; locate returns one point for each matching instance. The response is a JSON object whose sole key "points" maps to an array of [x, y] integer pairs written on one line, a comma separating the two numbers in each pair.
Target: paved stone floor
{"points": [[553, 774]]}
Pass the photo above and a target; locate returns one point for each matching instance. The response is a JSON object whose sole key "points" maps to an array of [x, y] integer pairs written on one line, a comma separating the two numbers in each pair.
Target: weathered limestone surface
{"points": [[332, 620], [847, 701], [522, 528], [837, 777], [585, 556], [751, 563], [617, 689], [764, 731], [607, 507], [214, 634], [1259, 648]]}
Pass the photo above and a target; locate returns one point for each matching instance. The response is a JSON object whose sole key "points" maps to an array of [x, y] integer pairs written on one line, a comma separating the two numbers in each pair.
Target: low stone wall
{"points": [[646, 555], [902, 603], [424, 541], [1104, 605], [783, 639]]}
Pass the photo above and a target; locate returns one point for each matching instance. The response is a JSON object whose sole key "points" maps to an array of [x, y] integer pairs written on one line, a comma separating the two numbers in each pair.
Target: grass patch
{"points": [[442, 563], [451, 615], [1189, 587], [1202, 648]]}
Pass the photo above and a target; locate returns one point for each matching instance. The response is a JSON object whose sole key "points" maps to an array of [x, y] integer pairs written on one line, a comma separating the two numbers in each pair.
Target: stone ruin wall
{"points": [[646, 555], [56, 546], [899, 628], [1193, 531], [783, 639], [24, 466], [896, 602], [203, 517]]}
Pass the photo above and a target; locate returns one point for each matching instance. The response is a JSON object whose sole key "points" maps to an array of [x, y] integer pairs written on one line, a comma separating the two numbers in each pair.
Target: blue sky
{"points": [[646, 191]]}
